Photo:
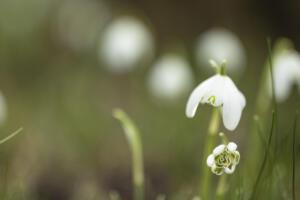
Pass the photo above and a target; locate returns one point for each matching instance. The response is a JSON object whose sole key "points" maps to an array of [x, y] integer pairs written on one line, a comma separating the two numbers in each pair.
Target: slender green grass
{"points": [[135, 144], [294, 157], [11, 136], [267, 149]]}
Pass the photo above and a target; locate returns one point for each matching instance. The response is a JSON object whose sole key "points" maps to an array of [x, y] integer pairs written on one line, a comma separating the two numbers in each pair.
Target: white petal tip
{"points": [[210, 160], [231, 146], [219, 149], [228, 170]]}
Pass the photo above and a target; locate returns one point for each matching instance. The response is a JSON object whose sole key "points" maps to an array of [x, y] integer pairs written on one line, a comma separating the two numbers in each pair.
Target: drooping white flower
{"points": [[126, 42], [224, 158], [218, 91], [170, 77], [286, 68], [219, 44]]}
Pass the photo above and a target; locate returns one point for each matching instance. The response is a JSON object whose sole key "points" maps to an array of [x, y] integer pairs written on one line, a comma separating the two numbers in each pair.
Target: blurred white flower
{"points": [[125, 43], [3, 109], [224, 158], [286, 67], [170, 77], [221, 44], [218, 91], [79, 22]]}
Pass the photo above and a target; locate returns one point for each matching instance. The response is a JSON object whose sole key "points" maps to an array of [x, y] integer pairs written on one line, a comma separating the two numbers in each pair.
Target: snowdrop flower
{"points": [[219, 44], [126, 42], [286, 67], [170, 77], [218, 91], [224, 158]]}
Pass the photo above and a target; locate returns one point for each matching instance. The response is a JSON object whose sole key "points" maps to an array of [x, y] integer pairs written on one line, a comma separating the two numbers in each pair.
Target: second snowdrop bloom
{"points": [[224, 158], [286, 73], [220, 44], [170, 77], [218, 91], [126, 42]]}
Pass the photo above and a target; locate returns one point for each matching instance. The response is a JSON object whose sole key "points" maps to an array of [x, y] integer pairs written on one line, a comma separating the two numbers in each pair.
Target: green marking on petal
{"points": [[217, 170], [212, 100]]}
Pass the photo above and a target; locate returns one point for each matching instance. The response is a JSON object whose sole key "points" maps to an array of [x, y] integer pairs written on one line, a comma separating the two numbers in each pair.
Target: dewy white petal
{"points": [[234, 103], [229, 170], [219, 149], [231, 146], [210, 161]]}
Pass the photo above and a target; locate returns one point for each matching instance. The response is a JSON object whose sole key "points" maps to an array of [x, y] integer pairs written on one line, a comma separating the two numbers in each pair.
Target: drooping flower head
{"points": [[218, 91], [224, 158]]}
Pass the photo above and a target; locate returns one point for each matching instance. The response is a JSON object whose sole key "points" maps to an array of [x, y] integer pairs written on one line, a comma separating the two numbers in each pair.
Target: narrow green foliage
{"points": [[134, 141], [270, 57], [294, 157], [11, 136], [263, 165]]}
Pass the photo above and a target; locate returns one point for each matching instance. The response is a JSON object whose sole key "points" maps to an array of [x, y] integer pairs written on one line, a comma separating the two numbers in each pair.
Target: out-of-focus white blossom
{"points": [[286, 68], [218, 91], [79, 23], [220, 44], [224, 159], [126, 42], [170, 77]]}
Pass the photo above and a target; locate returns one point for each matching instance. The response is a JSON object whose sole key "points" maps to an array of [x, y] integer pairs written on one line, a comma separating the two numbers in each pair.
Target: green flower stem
{"points": [[224, 138], [134, 141], [209, 144], [221, 188]]}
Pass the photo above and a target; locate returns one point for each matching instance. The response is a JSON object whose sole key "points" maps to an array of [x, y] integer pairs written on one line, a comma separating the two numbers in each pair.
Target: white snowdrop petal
{"points": [[210, 161], [214, 96], [196, 96], [219, 149], [231, 146], [229, 170], [234, 103]]}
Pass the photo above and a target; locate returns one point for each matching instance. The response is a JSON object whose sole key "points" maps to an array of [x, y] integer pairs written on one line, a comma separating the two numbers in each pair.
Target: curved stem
{"points": [[134, 141], [209, 144], [11, 136]]}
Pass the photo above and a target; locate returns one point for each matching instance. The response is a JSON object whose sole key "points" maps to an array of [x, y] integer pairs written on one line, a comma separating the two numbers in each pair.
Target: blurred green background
{"points": [[58, 88]]}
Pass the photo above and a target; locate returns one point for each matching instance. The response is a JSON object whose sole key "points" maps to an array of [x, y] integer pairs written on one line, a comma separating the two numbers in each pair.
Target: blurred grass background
{"points": [[58, 90]]}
